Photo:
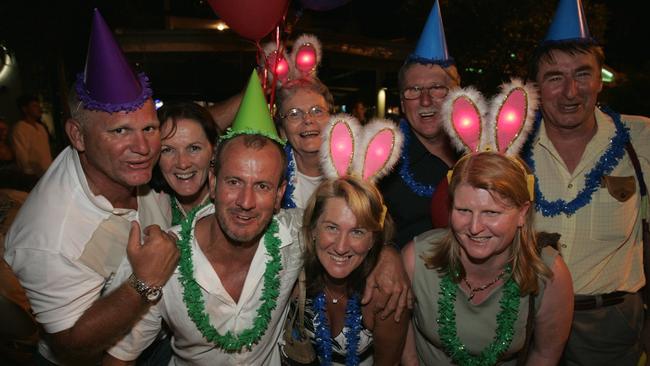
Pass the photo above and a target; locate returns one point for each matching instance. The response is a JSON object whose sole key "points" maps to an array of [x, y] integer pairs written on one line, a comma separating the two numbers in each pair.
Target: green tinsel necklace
{"points": [[193, 297], [505, 323]]}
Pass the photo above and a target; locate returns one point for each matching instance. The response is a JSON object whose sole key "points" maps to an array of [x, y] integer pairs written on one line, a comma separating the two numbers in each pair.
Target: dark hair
{"points": [[256, 142], [450, 70], [289, 89], [172, 113], [573, 47], [24, 100], [366, 203]]}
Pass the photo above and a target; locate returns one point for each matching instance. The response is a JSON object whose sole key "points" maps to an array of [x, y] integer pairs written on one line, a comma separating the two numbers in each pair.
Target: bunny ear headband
{"points": [[501, 126], [368, 152], [302, 63]]}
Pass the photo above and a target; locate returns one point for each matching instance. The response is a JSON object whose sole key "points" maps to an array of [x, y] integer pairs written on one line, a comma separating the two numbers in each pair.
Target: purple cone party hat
{"points": [[569, 23], [108, 82], [253, 116], [432, 45]]}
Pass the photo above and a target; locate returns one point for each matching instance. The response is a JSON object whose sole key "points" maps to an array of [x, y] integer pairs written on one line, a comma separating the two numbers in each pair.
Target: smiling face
{"points": [[247, 189], [341, 244], [117, 149], [304, 135], [484, 227], [423, 113], [569, 85], [185, 159]]}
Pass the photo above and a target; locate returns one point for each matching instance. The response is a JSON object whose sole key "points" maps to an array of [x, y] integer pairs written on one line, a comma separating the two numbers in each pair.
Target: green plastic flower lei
{"points": [[193, 297], [505, 324]]}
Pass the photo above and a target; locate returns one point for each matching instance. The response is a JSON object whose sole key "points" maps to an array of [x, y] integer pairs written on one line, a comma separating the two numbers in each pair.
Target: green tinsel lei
{"points": [[193, 297], [505, 324]]}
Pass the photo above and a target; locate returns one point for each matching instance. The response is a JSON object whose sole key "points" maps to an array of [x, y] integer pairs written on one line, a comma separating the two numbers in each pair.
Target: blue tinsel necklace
{"points": [[604, 166], [287, 200], [352, 330], [422, 190]]}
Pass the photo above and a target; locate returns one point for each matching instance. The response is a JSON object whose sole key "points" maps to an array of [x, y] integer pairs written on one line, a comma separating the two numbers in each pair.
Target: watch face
{"points": [[153, 294]]}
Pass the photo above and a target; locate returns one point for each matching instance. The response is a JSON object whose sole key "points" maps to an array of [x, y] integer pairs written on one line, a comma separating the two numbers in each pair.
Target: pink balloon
{"points": [[378, 152], [341, 148], [466, 120], [252, 19], [510, 118]]}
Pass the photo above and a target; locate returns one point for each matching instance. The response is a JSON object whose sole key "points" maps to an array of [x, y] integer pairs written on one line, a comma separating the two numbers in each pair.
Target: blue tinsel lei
{"points": [[352, 330], [604, 166], [287, 200], [422, 190]]}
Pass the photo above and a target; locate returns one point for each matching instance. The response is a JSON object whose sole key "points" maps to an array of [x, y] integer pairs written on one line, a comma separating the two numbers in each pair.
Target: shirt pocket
{"points": [[614, 209]]}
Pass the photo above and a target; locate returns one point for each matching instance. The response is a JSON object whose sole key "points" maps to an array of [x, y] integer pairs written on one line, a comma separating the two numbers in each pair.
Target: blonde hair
{"points": [[367, 205], [505, 179]]}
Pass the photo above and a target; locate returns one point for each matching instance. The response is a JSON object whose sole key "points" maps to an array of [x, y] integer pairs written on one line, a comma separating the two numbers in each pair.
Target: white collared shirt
{"points": [[51, 233], [188, 344]]}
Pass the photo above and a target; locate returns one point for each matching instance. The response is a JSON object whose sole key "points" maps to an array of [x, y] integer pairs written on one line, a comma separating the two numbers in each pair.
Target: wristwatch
{"points": [[150, 294]]}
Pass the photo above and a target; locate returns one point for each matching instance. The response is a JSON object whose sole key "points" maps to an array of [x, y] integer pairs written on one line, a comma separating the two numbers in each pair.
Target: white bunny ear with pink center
{"points": [[378, 149], [513, 112], [339, 145], [278, 61], [306, 55], [463, 115]]}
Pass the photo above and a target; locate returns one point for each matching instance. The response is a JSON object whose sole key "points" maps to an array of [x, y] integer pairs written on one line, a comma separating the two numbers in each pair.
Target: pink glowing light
{"points": [[342, 148], [280, 65], [378, 153], [467, 122], [306, 58], [511, 118]]}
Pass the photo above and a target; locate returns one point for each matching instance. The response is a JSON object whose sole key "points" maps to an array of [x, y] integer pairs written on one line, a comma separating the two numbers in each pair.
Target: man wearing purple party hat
{"points": [[591, 164], [79, 226], [424, 81]]}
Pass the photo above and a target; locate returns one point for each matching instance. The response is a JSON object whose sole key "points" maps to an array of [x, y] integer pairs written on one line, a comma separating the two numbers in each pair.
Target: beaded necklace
{"points": [[287, 200], [352, 330], [420, 189], [506, 318], [607, 162], [193, 297]]}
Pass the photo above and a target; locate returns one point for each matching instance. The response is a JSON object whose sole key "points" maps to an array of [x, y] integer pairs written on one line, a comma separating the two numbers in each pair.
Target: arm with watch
{"points": [[111, 316]]}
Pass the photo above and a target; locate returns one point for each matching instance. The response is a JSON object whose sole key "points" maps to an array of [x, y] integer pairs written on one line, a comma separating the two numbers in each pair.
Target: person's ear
{"points": [[280, 195], [212, 184], [74, 130], [523, 211]]}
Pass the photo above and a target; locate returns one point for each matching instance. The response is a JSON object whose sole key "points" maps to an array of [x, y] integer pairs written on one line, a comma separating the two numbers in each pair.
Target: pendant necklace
{"points": [[474, 290]]}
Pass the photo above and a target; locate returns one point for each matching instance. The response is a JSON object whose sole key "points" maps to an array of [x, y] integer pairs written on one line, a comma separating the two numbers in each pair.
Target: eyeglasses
{"points": [[297, 115], [435, 91]]}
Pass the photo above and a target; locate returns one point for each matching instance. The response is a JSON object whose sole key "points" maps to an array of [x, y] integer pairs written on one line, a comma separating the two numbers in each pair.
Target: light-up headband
{"points": [[502, 126]]}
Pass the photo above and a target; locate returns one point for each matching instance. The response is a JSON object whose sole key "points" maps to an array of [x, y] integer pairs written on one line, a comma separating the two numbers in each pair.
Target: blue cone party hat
{"points": [[108, 83], [569, 23], [432, 45]]}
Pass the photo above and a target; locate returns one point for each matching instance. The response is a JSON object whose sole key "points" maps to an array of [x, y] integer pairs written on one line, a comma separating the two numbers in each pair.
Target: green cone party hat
{"points": [[253, 116]]}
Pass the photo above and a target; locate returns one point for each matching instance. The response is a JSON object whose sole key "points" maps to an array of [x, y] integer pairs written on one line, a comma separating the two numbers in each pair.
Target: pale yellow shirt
{"points": [[601, 243]]}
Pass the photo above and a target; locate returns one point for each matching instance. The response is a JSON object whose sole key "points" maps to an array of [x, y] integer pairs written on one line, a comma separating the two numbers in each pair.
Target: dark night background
{"points": [[490, 40]]}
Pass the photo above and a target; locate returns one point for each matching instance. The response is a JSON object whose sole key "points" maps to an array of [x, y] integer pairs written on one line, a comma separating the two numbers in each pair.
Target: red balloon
{"points": [[252, 19]]}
